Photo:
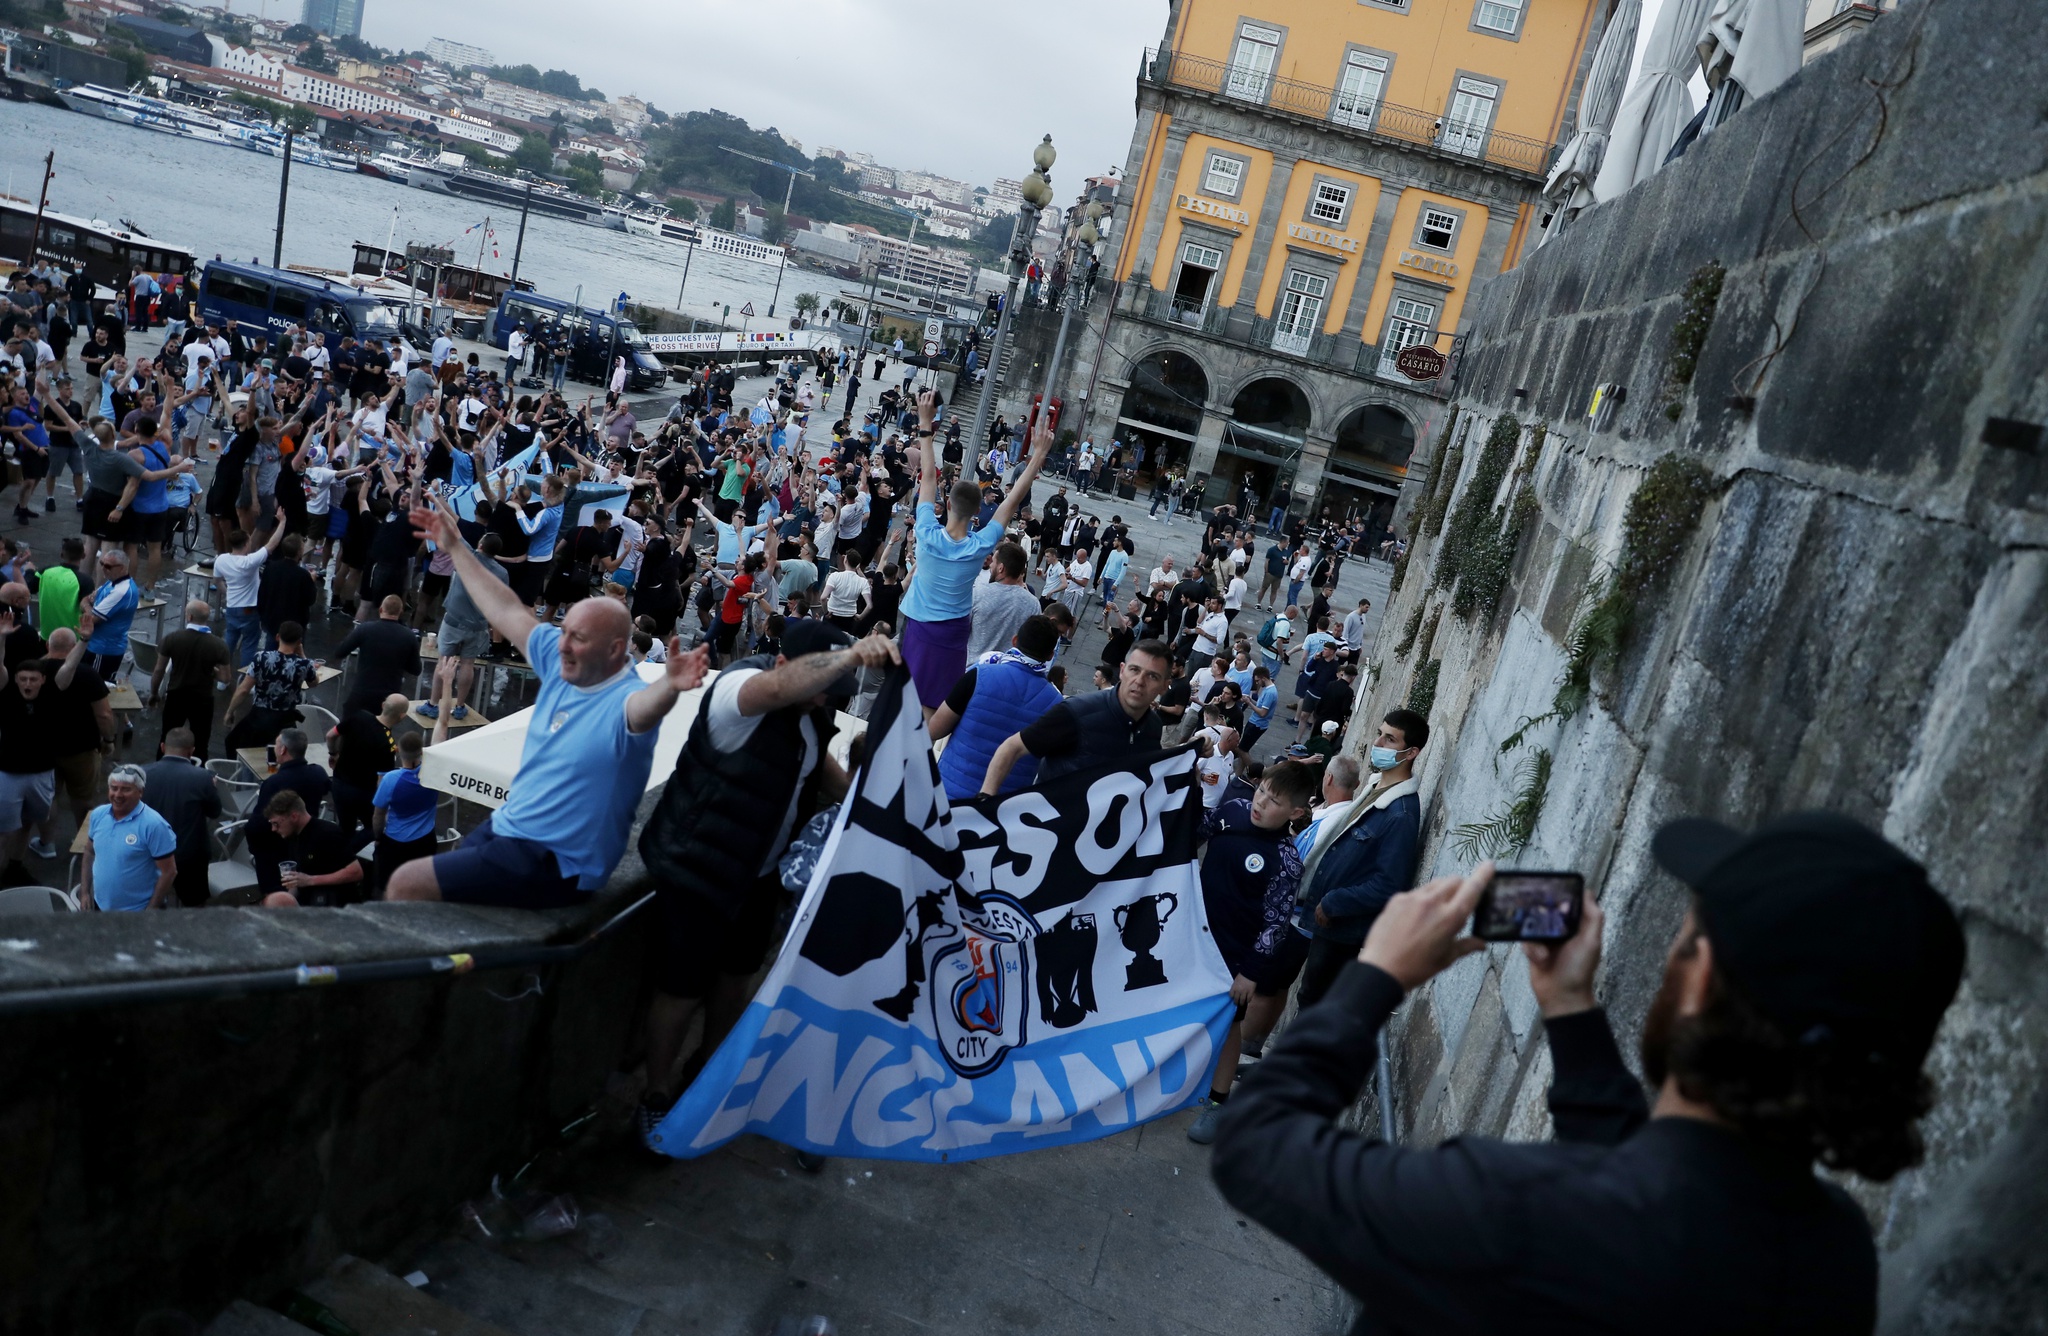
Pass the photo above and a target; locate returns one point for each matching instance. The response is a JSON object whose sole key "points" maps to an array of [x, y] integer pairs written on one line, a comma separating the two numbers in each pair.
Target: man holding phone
{"points": [[1798, 1004]]}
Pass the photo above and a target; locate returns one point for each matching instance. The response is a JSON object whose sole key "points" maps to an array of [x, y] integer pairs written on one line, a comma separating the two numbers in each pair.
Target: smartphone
{"points": [[1530, 907]]}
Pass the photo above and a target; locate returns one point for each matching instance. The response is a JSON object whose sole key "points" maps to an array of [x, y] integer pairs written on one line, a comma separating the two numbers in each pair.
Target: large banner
{"points": [[978, 980], [518, 468]]}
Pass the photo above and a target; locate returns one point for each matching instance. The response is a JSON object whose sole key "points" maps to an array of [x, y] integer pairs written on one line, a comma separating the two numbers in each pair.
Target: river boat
{"points": [[388, 167], [445, 283], [509, 192], [668, 227], [109, 251]]}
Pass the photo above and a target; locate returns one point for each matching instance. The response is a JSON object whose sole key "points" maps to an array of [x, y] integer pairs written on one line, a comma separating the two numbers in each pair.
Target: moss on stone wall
{"points": [[1422, 691], [1701, 296], [1465, 533]]}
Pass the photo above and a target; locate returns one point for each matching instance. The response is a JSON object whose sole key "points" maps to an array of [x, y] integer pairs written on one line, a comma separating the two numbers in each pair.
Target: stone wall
{"points": [[1844, 601], [179, 1154]]}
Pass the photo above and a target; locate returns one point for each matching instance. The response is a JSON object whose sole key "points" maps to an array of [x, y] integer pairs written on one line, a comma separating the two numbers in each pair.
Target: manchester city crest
{"points": [[981, 989]]}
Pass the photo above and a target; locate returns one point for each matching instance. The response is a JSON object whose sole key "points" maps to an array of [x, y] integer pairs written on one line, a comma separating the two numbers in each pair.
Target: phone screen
{"points": [[1529, 907]]}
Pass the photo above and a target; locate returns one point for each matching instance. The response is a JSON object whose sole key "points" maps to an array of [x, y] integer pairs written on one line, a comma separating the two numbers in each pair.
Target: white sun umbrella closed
{"points": [[1658, 104], [1570, 187], [1755, 44]]}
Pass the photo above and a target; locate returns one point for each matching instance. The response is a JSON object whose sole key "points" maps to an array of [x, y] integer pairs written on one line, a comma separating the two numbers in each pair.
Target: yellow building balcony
{"points": [[1343, 111]]}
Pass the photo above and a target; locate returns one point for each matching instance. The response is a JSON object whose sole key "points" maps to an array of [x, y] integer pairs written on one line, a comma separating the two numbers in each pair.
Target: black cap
{"points": [[807, 635], [1831, 931]]}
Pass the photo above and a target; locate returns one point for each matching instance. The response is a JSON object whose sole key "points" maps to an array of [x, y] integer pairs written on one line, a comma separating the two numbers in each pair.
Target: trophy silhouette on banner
{"points": [[1139, 924], [1066, 970]]}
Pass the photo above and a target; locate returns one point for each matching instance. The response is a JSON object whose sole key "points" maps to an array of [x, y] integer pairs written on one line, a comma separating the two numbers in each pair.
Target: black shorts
{"points": [[386, 578], [34, 464], [96, 523], [149, 528], [567, 584], [1286, 966], [491, 869], [433, 586], [527, 579], [700, 943]]}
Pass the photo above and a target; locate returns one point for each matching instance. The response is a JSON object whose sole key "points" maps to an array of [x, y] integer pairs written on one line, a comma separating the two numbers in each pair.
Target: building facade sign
{"points": [[1209, 208], [1323, 237], [1429, 264]]}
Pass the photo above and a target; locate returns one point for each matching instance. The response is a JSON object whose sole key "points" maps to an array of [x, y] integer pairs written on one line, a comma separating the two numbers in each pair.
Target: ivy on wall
{"points": [[1697, 304], [1422, 691], [1490, 552]]}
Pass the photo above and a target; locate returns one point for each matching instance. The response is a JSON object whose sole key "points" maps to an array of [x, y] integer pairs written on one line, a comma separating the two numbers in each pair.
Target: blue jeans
{"points": [[512, 370], [244, 635], [1294, 592], [1276, 519]]}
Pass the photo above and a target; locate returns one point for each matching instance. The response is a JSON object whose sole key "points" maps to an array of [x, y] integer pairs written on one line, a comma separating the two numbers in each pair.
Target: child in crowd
{"points": [[1250, 873]]}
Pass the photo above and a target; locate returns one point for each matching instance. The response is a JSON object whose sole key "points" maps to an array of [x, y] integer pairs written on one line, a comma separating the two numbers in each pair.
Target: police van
{"points": [[261, 300], [595, 338]]}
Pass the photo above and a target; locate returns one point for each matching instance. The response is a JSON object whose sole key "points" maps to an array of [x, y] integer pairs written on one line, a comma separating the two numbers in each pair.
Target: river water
{"points": [[223, 201]]}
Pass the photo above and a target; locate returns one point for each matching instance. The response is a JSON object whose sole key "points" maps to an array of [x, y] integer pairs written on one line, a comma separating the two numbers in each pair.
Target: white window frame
{"points": [[1338, 204], [1195, 255], [1450, 228], [1247, 79], [1355, 107], [1233, 174], [1468, 136], [1488, 16], [1300, 314], [1409, 321]]}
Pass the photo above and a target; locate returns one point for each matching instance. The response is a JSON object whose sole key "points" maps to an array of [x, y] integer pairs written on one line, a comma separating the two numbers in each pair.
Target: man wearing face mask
{"points": [[1364, 858]]}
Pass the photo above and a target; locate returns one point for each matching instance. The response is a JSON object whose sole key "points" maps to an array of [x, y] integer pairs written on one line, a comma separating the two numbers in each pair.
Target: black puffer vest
{"points": [[719, 815]]}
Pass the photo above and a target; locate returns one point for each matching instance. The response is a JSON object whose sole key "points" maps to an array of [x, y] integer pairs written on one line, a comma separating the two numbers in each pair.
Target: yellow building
{"points": [[1312, 187]]}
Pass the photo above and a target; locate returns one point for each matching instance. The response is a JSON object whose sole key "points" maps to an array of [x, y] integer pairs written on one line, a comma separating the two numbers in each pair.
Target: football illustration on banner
{"points": [[898, 1019]]}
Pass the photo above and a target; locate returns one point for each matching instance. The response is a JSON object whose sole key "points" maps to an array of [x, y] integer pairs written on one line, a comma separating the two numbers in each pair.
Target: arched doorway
{"points": [[1368, 462], [1269, 422], [1162, 411]]}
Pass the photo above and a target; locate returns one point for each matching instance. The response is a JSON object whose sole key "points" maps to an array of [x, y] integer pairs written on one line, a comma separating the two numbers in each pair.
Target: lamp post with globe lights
{"points": [[1072, 295], [1037, 192]]}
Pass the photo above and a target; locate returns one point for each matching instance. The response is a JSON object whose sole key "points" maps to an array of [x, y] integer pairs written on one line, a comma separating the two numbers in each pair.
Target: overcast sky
{"points": [[963, 89]]}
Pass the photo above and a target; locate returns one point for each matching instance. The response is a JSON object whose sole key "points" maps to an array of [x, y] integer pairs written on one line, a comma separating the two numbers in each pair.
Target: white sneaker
{"points": [[42, 848]]}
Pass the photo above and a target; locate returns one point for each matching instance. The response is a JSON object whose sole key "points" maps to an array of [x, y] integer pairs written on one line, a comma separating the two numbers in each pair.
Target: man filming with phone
{"points": [[1798, 1004]]}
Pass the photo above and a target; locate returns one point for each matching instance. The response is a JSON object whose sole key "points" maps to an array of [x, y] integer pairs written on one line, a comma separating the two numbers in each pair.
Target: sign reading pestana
{"points": [[1209, 208], [969, 981]]}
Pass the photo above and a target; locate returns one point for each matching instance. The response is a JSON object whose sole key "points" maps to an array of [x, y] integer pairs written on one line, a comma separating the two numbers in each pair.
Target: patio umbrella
{"points": [[1570, 187], [1658, 105], [1755, 45]]}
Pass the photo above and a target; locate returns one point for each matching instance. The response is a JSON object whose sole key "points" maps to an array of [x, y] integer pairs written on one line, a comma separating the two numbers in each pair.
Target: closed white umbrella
{"points": [[1754, 45], [1658, 105], [1570, 187]]}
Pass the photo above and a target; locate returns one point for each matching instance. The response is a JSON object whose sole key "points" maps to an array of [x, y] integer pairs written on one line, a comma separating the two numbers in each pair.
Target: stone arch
{"points": [[1162, 407], [1281, 372], [1378, 433]]}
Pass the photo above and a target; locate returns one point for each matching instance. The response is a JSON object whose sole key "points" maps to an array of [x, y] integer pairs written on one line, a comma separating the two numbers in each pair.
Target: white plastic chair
{"points": [[144, 655], [317, 720], [236, 796], [36, 900], [231, 872]]}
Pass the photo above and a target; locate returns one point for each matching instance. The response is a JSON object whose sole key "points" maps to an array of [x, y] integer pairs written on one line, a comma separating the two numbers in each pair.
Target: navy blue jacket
{"points": [[1366, 866]]}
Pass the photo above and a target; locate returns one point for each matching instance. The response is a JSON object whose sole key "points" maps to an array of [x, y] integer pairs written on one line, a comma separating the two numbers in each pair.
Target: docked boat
{"points": [[388, 167], [109, 251], [437, 277], [158, 114], [668, 227], [510, 192]]}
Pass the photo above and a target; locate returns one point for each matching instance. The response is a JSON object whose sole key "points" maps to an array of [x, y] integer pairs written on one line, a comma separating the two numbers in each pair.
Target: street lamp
{"points": [[1087, 236], [1037, 192]]}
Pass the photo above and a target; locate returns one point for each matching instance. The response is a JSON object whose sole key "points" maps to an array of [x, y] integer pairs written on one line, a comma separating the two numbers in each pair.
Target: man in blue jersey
{"points": [[588, 751]]}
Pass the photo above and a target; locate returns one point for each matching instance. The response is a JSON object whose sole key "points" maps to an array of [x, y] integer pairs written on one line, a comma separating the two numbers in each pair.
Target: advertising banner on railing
{"points": [[961, 982], [764, 340]]}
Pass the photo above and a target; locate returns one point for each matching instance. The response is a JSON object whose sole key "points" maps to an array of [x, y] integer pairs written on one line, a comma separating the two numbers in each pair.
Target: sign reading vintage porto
{"points": [[979, 980], [1419, 362]]}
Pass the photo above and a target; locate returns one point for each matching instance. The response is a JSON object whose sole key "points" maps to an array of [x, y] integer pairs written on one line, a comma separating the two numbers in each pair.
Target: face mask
{"points": [[1384, 758]]}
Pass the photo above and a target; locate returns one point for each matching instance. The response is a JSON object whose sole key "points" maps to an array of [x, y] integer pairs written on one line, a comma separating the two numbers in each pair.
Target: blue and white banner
{"points": [[519, 467], [978, 980]]}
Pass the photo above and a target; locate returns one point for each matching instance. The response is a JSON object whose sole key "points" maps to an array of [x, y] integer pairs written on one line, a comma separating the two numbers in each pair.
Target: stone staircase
{"points": [[967, 397], [1125, 1234]]}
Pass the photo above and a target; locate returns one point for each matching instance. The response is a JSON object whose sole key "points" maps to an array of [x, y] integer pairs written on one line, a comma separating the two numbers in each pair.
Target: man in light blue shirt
{"points": [[589, 747], [1263, 699], [132, 861], [938, 608]]}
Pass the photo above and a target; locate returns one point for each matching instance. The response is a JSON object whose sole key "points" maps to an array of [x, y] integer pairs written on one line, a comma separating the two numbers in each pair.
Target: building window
{"points": [[1438, 229], [1191, 291], [1472, 105], [1329, 202], [1225, 176], [1251, 63], [1409, 322], [1500, 16], [1359, 90], [1301, 312]]}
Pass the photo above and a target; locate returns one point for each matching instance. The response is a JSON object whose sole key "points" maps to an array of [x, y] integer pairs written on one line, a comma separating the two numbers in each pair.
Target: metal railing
{"points": [[1383, 121], [1337, 352]]}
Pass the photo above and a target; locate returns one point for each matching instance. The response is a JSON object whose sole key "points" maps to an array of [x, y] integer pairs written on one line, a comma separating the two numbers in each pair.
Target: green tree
{"points": [[299, 32], [526, 76], [723, 216], [533, 154], [355, 48], [601, 125], [586, 174], [682, 206], [299, 119], [776, 229], [562, 84], [806, 302], [314, 57]]}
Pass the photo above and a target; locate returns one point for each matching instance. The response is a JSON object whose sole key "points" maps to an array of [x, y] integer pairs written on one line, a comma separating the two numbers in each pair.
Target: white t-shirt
{"points": [[1233, 597], [1163, 577], [853, 517], [1213, 771], [317, 355], [1080, 572], [731, 730], [1299, 570], [1210, 631], [1055, 580], [1239, 559], [467, 412], [239, 576], [515, 344], [842, 592], [632, 546], [318, 496]]}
